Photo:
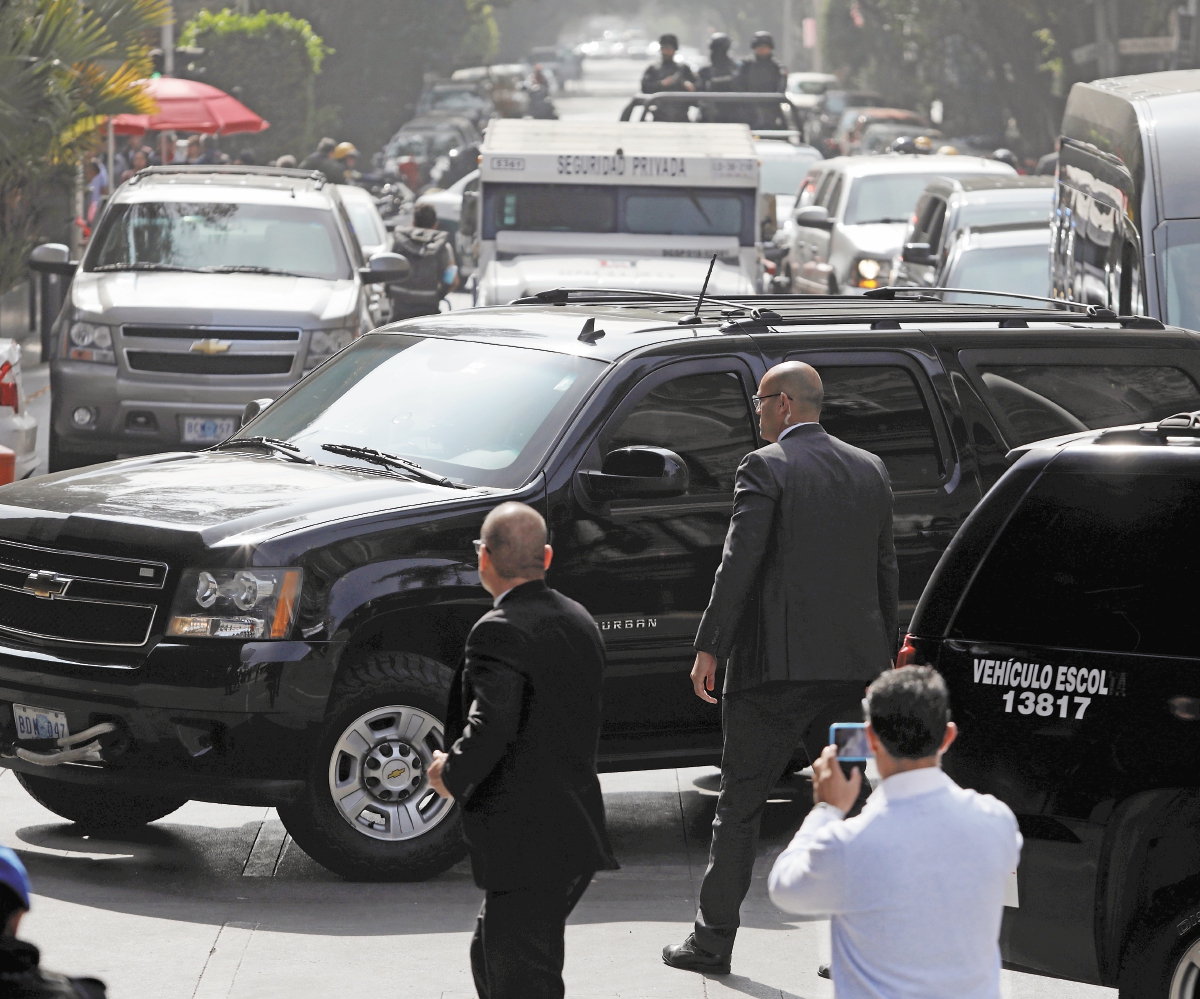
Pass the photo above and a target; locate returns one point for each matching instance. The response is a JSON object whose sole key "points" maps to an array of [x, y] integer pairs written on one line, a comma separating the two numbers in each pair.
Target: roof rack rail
{"points": [[1179, 425], [233, 169], [1091, 311]]}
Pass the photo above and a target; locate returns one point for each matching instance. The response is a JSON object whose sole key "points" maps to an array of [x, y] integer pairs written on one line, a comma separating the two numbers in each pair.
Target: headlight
{"points": [[866, 272], [236, 603], [89, 342], [323, 344]]}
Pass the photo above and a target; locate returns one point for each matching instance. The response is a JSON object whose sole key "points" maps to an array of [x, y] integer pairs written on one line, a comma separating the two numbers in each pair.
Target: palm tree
{"points": [[64, 66]]}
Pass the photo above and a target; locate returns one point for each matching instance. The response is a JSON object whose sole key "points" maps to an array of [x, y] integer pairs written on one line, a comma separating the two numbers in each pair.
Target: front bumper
{"points": [[144, 416], [210, 721]]}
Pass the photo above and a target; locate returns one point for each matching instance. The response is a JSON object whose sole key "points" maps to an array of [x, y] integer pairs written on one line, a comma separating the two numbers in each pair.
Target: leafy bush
{"points": [[268, 61]]}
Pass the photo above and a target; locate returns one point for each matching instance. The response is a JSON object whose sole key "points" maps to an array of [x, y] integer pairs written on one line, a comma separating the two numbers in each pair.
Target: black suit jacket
{"points": [[524, 769], [808, 587]]}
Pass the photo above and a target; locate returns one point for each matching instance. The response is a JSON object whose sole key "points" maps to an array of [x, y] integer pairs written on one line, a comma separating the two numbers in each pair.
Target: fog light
{"points": [[83, 417]]}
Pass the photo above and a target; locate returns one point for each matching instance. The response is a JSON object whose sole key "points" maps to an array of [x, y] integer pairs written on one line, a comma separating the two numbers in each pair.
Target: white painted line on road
{"points": [[224, 961], [270, 844]]}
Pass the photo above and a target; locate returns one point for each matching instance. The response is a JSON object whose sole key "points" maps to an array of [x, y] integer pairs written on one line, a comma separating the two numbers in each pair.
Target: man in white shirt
{"points": [[914, 883]]}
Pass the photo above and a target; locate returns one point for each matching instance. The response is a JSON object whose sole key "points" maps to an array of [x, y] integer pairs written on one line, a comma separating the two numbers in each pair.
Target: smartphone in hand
{"points": [[851, 741]]}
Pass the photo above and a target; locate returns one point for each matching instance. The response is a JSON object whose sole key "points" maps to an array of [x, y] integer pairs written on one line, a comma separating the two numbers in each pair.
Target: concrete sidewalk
{"points": [[215, 901]]}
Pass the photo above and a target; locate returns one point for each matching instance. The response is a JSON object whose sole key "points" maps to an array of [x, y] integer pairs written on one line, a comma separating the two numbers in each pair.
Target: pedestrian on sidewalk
{"points": [[804, 606], [524, 767], [21, 976], [915, 883]]}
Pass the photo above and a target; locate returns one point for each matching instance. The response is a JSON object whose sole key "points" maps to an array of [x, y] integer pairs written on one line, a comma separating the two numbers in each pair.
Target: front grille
{"points": [[203, 332], [201, 364], [76, 596]]}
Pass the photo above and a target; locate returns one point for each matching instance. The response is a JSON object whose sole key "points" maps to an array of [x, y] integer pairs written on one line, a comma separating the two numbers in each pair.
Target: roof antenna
{"points": [[694, 318], [589, 333]]}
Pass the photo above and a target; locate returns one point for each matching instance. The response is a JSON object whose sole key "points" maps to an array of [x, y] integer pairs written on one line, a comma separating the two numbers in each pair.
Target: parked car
{"points": [[949, 203], [1009, 257], [852, 214], [783, 165], [822, 120], [1127, 203], [462, 100], [425, 146], [854, 122], [502, 83], [271, 620], [805, 89], [1072, 673], [202, 288], [373, 237], [877, 138]]}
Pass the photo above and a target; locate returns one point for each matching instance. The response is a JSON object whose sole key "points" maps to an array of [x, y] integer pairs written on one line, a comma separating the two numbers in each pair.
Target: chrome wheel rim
{"points": [[378, 773], [1187, 974]]}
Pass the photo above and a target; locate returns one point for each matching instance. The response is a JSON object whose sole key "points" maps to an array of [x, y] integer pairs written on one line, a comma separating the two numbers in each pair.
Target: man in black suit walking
{"points": [[804, 605], [524, 769]]}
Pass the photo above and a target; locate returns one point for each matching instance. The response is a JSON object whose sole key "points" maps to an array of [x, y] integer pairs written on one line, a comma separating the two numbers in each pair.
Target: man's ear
{"points": [[949, 737], [873, 742], [548, 557]]}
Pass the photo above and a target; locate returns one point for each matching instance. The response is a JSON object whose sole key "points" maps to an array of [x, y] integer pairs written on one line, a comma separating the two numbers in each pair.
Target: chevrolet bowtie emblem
{"points": [[47, 584], [211, 346]]}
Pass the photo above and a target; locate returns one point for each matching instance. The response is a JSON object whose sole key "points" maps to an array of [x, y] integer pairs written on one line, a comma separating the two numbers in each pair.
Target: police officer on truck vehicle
{"points": [[719, 76], [762, 74], [667, 74]]}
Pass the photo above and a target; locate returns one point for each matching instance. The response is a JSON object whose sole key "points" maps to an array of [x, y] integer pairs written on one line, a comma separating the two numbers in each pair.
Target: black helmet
{"points": [[668, 41], [903, 144], [1007, 156], [719, 42], [762, 38]]}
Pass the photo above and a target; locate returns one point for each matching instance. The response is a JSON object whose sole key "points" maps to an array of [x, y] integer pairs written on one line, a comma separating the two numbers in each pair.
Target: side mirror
{"points": [[52, 258], [384, 267], [917, 253], [638, 472], [469, 213], [814, 217], [253, 408]]}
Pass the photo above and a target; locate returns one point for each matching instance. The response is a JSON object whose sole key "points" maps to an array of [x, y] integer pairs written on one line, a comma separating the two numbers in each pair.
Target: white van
{"points": [[582, 204]]}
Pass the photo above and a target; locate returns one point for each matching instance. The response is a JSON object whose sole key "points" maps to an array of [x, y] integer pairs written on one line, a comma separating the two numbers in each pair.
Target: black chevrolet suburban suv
{"points": [[1060, 619], [277, 620]]}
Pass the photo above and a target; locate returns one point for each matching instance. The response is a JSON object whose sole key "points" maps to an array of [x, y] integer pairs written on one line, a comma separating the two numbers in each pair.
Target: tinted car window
{"points": [[1092, 561], [1046, 400], [705, 419], [683, 213], [881, 410], [554, 208]]}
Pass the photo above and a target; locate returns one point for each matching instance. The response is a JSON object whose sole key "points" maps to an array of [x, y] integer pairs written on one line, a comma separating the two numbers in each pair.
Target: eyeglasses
{"points": [[758, 400], [479, 545]]}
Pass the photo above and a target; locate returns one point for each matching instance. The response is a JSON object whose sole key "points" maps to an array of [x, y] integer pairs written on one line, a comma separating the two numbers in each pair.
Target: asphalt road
{"points": [[216, 901]]}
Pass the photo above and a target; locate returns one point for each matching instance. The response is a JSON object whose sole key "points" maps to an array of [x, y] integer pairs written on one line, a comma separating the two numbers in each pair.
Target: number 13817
{"points": [[1029, 703]]}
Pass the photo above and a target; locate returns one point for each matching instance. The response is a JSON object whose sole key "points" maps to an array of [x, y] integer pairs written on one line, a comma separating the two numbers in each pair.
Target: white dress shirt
{"points": [[787, 430], [914, 886]]}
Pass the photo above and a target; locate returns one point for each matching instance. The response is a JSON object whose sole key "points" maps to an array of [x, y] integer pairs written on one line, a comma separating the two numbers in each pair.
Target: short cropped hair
{"points": [[10, 905], [425, 217], [515, 537], [909, 710]]}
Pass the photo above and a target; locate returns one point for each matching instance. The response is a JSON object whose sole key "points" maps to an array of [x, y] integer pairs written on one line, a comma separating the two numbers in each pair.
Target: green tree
{"points": [[270, 62], [64, 66]]}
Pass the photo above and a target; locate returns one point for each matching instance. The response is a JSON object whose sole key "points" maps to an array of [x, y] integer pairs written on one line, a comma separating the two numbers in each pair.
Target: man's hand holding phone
{"points": [[832, 786]]}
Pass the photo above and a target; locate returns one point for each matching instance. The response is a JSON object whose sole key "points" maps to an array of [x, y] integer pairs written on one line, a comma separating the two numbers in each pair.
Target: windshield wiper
{"points": [[403, 465], [146, 265], [283, 448], [885, 219], [248, 269]]}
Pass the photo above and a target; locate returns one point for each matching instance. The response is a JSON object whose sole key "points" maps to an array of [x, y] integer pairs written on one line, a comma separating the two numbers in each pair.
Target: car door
{"points": [[644, 568], [884, 402], [816, 272]]}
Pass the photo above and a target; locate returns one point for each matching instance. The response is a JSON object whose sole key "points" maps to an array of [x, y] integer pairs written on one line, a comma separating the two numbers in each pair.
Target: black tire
{"points": [[407, 681], [1162, 961], [98, 809]]}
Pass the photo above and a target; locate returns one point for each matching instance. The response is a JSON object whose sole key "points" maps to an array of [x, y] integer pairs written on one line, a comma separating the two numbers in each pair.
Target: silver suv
{"points": [[203, 288]]}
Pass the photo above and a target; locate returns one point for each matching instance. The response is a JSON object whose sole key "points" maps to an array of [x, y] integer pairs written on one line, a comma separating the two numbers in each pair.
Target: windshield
{"points": [[997, 212], [783, 174], [455, 99], [888, 197], [478, 413], [215, 235], [1023, 270], [683, 213]]}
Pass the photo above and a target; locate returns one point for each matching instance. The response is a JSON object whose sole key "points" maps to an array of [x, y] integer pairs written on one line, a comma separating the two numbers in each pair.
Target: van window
{"points": [[554, 207], [704, 418], [683, 213], [1091, 561], [880, 409], [1036, 401], [1182, 265]]}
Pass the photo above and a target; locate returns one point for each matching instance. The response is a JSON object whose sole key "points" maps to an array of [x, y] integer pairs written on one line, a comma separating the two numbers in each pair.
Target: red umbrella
{"points": [[189, 106]]}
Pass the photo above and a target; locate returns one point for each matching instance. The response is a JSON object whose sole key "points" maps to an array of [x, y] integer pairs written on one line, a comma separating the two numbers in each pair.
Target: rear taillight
{"points": [[8, 387], [907, 653]]}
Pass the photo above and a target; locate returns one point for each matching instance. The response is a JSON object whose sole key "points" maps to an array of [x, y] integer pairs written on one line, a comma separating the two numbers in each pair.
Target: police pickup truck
{"points": [[277, 620]]}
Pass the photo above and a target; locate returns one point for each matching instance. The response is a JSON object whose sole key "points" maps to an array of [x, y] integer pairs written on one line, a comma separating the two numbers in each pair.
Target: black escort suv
{"points": [[1060, 620], [277, 620]]}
